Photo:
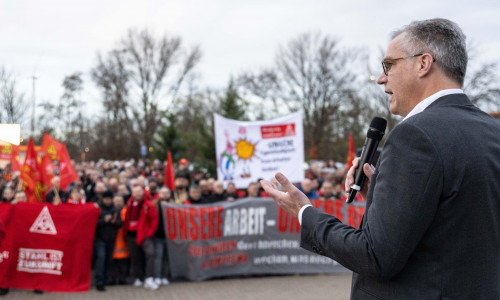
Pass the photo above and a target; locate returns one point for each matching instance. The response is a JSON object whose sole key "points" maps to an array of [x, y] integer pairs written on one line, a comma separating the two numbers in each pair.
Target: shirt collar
{"points": [[429, 100]]}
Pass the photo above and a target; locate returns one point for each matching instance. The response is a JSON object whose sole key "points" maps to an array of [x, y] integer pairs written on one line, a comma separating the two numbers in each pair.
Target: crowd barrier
{"points": [[247, 236]]}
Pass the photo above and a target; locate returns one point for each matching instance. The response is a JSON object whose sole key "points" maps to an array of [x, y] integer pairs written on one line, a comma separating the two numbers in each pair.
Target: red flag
{"points": [[66, 169], [350, 154], [169, 173], [51, 147], [30, 175], [46, 171], [313, 150], [29, 172]]}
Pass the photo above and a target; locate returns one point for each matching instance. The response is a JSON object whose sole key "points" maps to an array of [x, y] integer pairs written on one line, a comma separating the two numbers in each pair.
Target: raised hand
{"points": [[290, 198]]}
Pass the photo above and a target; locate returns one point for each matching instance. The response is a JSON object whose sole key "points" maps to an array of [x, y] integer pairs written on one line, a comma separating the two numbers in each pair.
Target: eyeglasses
{"points": [[387, 64]]}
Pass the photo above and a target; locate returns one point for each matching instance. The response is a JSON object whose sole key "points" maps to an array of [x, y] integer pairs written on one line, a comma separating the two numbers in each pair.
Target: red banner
{"points": [[47, 247], [277, 131]]}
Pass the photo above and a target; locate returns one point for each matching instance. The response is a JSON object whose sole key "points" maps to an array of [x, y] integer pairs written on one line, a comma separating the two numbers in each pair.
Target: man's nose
{"points": [[382, 79]]}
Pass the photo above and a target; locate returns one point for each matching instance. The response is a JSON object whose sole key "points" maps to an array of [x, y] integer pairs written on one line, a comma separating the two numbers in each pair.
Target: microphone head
{"points": [[379, 124], [377, 128]]}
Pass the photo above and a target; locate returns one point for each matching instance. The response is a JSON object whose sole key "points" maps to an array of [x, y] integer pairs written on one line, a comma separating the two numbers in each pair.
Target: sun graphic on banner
{"points": [[245, 149]]}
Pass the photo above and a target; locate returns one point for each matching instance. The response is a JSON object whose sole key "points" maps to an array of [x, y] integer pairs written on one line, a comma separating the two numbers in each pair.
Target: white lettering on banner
{"points": [[299, 259], [244, 221], [242, 246], [279, 244], [271, 260], [4, 255], [43, 223], [275, 144], [294, 259], [40, 261]]}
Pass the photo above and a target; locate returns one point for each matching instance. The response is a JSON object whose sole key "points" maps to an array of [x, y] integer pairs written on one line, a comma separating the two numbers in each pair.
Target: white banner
{"points": [[247, 151]]}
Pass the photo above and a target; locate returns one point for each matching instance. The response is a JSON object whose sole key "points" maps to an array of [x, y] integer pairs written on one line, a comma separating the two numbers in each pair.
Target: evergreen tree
{"points": [[232, 106], [170, 139], [204, 142]]}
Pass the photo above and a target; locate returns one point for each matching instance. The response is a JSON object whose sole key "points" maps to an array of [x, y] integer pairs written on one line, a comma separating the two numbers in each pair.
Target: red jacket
{"points": [[148, 220]]}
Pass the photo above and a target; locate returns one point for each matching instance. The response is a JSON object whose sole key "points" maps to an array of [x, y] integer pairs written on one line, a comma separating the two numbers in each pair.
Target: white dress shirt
{"points": [[417, 109]]}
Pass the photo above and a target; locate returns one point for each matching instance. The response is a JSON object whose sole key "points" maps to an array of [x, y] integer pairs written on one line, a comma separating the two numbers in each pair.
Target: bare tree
{"points": [[481, 80], [12, 103], [139, 77], [157, 69], [116, 126], [314, 74], [481, 86]]}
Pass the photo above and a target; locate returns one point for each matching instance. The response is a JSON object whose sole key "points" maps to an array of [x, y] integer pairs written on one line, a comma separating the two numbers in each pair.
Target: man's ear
{"points": [[425, 63]]}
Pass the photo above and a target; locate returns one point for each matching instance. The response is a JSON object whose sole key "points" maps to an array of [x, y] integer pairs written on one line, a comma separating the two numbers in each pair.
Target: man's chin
{"points": [[393, 109]]}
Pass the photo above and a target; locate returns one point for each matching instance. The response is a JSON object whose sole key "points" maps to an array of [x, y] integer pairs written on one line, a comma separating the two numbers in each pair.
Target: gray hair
{"points": [[443, 39]]}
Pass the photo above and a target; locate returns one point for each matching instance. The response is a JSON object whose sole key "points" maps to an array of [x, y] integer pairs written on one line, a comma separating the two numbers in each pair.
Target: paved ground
{"points": [[310, 287]]}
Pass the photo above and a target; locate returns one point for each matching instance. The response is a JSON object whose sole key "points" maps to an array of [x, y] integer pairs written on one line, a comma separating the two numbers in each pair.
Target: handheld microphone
{"points": [[373, 136]]}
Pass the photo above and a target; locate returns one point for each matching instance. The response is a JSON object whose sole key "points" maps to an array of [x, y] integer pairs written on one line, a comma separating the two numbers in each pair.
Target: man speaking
{"points": [[431, 229]]}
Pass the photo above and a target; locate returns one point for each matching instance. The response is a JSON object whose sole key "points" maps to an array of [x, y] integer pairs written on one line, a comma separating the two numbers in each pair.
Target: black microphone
{"points": [[373, 136]]}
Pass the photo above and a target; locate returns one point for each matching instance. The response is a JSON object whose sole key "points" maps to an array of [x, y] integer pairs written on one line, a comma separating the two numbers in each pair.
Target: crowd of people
{"points": [[130, 238]]}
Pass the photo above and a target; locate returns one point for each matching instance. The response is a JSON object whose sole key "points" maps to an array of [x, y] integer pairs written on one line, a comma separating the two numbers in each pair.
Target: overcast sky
{"points": [[57, 38]]}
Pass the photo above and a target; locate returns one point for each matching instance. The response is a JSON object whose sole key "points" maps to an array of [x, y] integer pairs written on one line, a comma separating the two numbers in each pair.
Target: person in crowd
{"points": [[121, 256], [92, 176], [338, 192], [140, 225], [160, 271], [165, 195], [253, 190], [56, 195], [180, 193], [306, 188], [218, 194], [141, 180], [123, 191], [107, 227], [326, 191], [122, 178], [99, 190], [183, 170], [75, 196], [316, 183], [113, 185], [210, 184], [195, 196], [205, 191], [161, 179], [8, 194], [153, 188], [231, 193]]}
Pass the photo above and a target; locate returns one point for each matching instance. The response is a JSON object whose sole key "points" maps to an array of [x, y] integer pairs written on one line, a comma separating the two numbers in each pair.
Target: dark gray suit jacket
{"points": [[431, 229]]}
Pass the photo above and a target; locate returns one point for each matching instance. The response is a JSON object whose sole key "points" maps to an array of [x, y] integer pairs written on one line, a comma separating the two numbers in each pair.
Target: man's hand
{"points": [[349, 180], [290, 199]]}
